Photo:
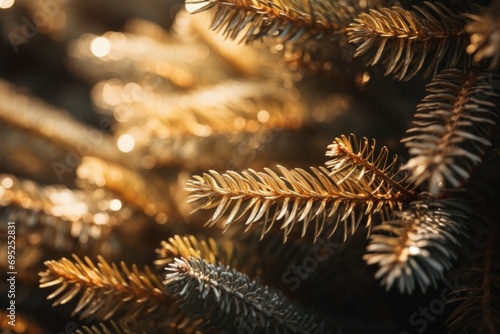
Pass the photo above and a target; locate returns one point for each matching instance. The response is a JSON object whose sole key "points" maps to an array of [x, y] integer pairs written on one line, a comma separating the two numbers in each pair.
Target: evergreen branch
{"points": [[484, 31], [288, 20], [454, 125], [156, 195], [253, 105], [359, 160], [164, 62], [69, 205], [120, 328], [108, 289], [19, 146], [189, 245], [30, 114], [357, 179], [209, 249], [228, 300], [479, 308], [61, 218], [133, 327], [405, 40], [323, 197], [187, 152], [417, 246]]}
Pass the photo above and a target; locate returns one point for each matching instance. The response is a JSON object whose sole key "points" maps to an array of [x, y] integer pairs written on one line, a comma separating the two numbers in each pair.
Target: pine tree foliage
{"points": [[188, 100], [484, 31], [55, 124], [228, 300], [356, 185], [132, 327], [210, 250], [454, 125], [107, 289], [311, 33], [206, 109], [479, 301], [289, 20], [147, 191], [418, 245], [58, 217], [405, 41]]}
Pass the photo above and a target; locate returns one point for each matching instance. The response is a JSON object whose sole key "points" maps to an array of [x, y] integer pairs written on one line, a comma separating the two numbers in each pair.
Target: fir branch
{"points": [[163, 62], [418, 245], [297, 196], [61, 218], [209, 249], [23, 111], [355, 182], [289, 20], [358, 159], [120, 328], [253, 105], [228, 300], [44, 156], [479, 302], [156, 195], [405, 40], [132, 327], [106, 290], [484, 31], [454, 125]]}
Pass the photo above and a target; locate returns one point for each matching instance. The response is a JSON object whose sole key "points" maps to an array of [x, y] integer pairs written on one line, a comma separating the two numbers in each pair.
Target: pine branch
{"points": [[484, 31], [253, 105], [131, 327], [131, 55], [325, 197], [210, 250], [454, 125], [61, 218], [358, 159], [30, 114], [418, 245], [288, 20], [19, 146], [227, 300], [405, 40], [479, 308], [156, 195], [106, 290]]}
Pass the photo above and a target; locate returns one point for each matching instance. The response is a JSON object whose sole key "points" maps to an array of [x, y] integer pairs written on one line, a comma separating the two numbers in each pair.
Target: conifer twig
{"points": [[454, 125], [417, 246], [326, 197], [107, 289], [290, 20], [484, 31], [228, 300], [405, 40]]}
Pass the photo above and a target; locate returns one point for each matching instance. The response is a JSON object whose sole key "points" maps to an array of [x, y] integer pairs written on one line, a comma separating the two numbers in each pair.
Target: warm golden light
{"points": [[115, 204], [7, 183], [101, 218], [126, 143], [414, 250], [100, 46], [263, 116], [4, 4]]}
